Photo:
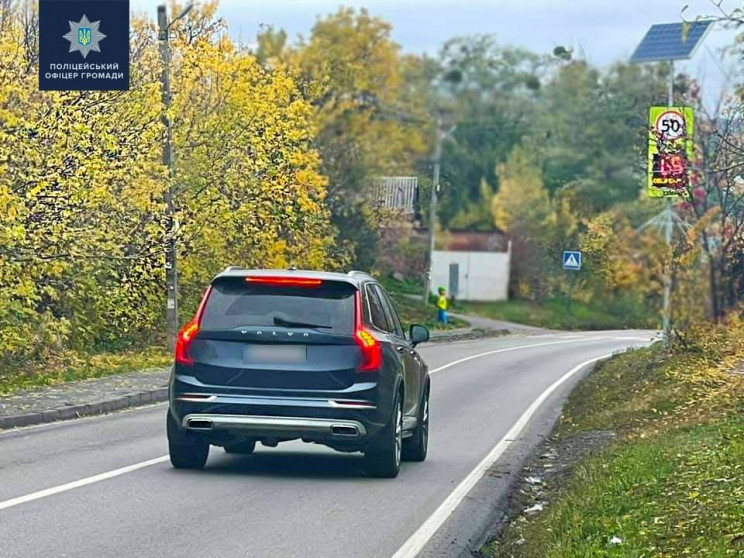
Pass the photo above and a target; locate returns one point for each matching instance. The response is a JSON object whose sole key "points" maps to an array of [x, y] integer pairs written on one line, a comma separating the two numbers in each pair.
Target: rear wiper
{"points": [[286, 323]]}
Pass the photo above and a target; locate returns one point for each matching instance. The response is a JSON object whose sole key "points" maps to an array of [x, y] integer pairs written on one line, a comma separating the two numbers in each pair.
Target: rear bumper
{"points": [[347, 417], [293, 427]]}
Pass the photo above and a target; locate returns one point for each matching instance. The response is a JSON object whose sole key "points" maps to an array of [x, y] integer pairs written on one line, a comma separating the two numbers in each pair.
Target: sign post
{"points": [[571, 262], [671, 129]]}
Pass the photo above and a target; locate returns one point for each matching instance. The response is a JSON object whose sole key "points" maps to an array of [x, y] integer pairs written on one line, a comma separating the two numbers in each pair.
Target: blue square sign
{"points": [[571, 260], [83, 45]]}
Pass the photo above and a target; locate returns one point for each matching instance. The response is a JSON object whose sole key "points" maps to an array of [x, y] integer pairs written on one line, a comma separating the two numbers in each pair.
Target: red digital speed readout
{"points": [[672, 165]]}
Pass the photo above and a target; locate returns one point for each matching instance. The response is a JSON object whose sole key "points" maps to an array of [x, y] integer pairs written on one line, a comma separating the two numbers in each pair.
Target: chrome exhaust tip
{"points": [[344, 430], [200, 424]]}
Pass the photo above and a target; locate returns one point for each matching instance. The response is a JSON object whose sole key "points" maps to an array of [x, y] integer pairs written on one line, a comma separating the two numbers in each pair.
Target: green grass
{"points": [[680, 494], [555, 314], [671, 485], [407, 286], [72, 366]]}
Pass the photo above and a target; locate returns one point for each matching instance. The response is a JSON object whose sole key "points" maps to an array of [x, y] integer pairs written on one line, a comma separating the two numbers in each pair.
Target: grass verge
{"points": [[555, 314], [73, 366], [671, 481]]}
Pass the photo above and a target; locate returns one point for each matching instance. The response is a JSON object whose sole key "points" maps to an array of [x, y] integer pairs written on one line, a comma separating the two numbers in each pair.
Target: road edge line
{"points": [[418, 540], [508, 349]]}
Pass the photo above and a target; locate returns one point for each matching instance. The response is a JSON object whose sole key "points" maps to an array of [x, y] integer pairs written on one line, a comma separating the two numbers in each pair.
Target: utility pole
{"points": [[171, 264], [440, 135]]}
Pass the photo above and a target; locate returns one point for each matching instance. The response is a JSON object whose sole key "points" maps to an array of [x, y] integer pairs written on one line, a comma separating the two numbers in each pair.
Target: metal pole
{"points": [[171, 265], [570, 289], [668, 231], [433, 206]]}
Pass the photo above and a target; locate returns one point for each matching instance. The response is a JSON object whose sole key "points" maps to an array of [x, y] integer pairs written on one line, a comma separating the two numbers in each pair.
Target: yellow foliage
{"points": [[82, 220]]}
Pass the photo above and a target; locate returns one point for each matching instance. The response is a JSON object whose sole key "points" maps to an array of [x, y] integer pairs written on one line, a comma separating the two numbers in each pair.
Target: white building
{"points": [[481, 275]]}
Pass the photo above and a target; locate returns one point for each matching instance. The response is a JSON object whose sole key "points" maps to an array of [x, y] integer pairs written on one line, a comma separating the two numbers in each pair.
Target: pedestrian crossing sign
{"points": [[571, 260]]}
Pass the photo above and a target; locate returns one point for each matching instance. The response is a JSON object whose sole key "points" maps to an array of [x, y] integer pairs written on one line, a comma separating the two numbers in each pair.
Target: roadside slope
{"points": [[647, 461]]}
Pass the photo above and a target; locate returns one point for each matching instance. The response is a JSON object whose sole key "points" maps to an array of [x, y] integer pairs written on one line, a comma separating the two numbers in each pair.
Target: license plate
{"points": [[275, 354]]}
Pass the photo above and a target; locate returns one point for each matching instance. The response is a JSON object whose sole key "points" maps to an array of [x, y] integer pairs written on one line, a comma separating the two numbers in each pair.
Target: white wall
{"points": [[482, 275]]}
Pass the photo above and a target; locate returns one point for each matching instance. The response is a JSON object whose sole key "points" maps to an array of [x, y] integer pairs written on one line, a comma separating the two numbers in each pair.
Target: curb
{"points": [[467, 335], [86, 410]]}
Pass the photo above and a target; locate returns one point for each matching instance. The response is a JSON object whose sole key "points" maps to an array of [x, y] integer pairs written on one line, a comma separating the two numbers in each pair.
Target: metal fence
{"points": [[398, 193]]}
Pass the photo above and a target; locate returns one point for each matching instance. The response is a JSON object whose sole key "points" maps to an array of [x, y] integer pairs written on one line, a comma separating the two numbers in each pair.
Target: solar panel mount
{"points": [[671, 41]]}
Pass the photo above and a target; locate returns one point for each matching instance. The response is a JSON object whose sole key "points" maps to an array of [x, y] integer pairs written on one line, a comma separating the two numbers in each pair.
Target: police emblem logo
{"points": [[84, 36]]}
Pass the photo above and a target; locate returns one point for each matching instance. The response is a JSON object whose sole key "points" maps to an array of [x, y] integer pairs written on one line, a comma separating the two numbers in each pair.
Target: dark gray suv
{"points": [[273, 356]]}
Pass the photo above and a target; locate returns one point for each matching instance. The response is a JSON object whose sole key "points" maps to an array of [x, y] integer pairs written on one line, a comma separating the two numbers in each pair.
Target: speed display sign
{"points": [[670, 149]]}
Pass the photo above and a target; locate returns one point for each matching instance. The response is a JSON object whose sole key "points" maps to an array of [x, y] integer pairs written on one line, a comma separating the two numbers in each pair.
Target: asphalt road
{"points": [[297, 499]]}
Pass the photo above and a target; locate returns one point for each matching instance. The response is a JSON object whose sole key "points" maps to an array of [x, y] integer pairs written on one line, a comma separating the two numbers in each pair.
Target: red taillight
{"points": [[285, 281], [185, 336], [371, 350], [188, 332]]}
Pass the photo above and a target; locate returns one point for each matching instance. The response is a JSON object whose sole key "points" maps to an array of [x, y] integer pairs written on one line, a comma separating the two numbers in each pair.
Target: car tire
{"points": [[416, 447], [186, 451], [242, 448], [382, 458]]}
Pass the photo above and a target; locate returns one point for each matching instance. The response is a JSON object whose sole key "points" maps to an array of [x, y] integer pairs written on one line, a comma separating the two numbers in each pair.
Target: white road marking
{"points": [[507, 349], [423, 534], [131, 468], [78, 483]]}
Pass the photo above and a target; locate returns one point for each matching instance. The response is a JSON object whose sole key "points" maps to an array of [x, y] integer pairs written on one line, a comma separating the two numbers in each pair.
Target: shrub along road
{"points": [[103, 487]]}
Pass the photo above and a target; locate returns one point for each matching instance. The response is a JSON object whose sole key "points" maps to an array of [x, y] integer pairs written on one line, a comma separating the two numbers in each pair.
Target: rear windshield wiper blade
{"points": [[287, 323]]}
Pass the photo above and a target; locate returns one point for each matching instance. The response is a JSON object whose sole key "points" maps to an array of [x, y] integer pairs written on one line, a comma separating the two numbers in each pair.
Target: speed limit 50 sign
{"points": [[670, 150]]}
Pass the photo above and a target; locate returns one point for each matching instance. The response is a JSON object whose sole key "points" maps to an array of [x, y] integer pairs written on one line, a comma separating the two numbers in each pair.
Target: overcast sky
{"points": [[602, 30]]}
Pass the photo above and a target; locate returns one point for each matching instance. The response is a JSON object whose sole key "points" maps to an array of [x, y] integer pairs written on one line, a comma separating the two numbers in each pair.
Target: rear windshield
{"points": [[234, 303]]}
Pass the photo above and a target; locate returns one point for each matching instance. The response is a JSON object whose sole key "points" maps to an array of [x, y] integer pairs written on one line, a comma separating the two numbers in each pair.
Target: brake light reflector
{"points": [[371, 350], [285, 281], [189, 331]]}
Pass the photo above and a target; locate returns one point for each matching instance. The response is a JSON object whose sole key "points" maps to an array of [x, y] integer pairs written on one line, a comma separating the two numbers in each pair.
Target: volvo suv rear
{"points": [[273, 356]]}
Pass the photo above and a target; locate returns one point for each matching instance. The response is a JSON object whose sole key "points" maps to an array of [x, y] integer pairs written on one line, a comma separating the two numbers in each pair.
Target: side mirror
{"points": [[419, 334]]}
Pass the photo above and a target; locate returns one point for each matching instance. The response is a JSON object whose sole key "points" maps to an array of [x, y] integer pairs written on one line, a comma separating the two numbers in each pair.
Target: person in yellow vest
{"points": [[442, 306]]}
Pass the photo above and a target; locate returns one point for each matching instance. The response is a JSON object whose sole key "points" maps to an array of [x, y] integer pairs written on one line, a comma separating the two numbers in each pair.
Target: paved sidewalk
{"points": [[83, 398]]}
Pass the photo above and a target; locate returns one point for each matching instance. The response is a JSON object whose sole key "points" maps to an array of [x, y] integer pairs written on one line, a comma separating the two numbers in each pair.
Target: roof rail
{"points": [[355, 272]]}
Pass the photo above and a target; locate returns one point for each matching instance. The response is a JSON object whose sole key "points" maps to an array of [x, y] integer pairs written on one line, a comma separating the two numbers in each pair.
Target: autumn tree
{"points": [[82, 226], [490, 92], [352, 71]]}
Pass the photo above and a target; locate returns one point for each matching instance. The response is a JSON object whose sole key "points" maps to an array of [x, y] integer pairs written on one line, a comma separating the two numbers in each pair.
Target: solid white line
{"points": [[418, 540], [518, 347], [130, 468], [78, 483]]}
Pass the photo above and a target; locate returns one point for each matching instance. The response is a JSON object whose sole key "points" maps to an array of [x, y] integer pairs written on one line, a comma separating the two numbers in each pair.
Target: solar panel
{"points": [[671, 41]]}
